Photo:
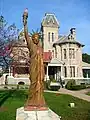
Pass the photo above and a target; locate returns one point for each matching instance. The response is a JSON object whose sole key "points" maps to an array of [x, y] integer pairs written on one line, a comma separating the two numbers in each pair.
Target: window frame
{"points": [[52, 37], [65, 53]]}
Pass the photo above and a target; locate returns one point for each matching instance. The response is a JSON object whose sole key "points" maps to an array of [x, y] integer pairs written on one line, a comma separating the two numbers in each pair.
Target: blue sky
{"points": [[70, 13]]}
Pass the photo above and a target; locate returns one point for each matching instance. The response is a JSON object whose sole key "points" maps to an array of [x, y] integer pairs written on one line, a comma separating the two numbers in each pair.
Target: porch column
{"points": [[76, 75], [87, 74], [62, 74], [55, 73], [47, 77], [58, 73]]}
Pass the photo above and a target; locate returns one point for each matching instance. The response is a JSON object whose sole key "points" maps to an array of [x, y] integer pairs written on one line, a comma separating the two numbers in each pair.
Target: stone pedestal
{"points": [[36, 115]]}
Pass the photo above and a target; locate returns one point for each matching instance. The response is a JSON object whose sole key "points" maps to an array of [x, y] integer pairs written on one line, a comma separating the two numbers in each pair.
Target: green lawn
{"points": [[57, 102]]}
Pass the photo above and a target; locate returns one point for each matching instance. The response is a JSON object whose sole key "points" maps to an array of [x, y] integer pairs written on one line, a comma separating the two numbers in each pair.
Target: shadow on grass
{"points": [[6, 96]]}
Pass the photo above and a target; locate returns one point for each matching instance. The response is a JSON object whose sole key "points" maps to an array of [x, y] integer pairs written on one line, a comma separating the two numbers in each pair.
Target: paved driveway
{"points": [[79, 94]]}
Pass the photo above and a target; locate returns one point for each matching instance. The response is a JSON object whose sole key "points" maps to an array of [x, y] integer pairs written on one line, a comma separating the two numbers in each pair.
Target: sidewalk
{"points": [[79, 94]]}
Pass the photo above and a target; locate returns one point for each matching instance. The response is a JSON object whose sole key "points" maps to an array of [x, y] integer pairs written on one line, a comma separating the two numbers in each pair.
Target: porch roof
{"points": [[85, 65], [55, 62]]}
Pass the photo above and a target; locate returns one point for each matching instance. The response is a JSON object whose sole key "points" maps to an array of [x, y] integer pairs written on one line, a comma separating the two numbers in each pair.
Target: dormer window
{"points": [[49, 37], [52, 37]]}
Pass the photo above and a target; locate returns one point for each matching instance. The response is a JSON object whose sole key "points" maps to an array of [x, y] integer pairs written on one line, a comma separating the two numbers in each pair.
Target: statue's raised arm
{"points": [[25, 16]]}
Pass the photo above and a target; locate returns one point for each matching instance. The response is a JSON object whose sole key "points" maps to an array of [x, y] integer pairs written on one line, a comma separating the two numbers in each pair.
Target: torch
{"points": [[25, 16]]}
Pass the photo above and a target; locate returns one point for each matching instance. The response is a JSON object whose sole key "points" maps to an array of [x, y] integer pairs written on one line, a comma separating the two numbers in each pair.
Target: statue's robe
{"points": [[36, 70]]}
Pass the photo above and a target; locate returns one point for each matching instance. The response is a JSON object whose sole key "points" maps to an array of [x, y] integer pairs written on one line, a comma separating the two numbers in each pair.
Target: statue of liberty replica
{"points": [[36, 70], [35, 107]]}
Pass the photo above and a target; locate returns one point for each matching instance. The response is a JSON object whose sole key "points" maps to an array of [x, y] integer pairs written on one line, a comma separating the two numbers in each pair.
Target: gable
{"points": [[56, 62]]}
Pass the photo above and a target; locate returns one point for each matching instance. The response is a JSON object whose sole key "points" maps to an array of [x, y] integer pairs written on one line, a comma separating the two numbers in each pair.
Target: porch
{"points": [[54, 69]]}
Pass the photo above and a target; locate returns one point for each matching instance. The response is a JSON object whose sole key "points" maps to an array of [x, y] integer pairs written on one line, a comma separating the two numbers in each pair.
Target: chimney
{"points": [[73, 33]]}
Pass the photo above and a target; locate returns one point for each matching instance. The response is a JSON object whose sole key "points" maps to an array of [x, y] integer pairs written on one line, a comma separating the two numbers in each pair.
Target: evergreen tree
{"points": [[86, 57]]}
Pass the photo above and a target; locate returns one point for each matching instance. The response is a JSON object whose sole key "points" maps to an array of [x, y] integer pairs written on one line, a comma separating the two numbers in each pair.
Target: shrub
{"points": [[54, 85], [51, 87], [5, 87], [1, 74], [70, 84], [13, 88], [21, 86], [55, 88], [26, 87], [52, 80], [78, 87], [47, 85], [87, 86]]}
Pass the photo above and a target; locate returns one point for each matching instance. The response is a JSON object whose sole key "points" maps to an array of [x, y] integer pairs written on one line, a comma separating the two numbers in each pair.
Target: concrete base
{"points": [[36, 115]]}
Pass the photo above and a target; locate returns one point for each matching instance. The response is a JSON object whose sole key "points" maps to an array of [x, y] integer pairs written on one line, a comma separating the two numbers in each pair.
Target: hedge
{"points": [[78, 87], [71, 85], [54, 88]]}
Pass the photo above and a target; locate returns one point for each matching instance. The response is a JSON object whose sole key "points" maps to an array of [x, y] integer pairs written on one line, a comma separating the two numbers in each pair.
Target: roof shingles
{"points": [[65, 39], [50, 20]]}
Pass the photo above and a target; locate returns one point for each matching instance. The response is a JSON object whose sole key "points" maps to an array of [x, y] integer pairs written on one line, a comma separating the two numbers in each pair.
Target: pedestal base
{"points": [[36, 115]]}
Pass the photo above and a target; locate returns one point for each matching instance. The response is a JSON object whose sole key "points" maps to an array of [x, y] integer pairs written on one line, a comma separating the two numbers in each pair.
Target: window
{"points": [[65, 71], [49, 36], [72, 71], [52, 37], [64, 53], [71, 53]]}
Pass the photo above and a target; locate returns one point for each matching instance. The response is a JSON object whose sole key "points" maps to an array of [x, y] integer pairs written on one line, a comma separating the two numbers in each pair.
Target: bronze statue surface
{"points": [[36, 71]]}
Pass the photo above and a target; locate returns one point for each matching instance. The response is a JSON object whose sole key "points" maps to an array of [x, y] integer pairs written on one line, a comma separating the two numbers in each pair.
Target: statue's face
{"points": [[35, 38]]}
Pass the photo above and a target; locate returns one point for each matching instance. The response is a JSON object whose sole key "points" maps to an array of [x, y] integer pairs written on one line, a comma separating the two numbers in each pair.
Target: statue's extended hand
{"points": [[25, 16]]}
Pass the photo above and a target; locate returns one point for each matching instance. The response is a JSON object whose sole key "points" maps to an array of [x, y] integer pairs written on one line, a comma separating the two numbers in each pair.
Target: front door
{"points": [[54, 72]]}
